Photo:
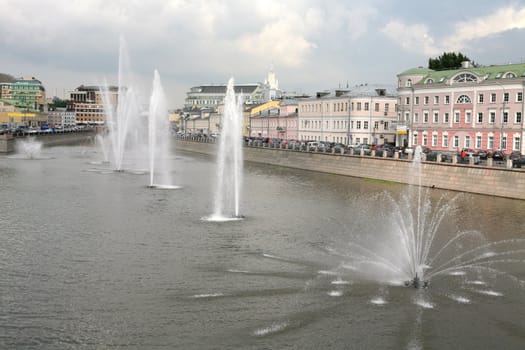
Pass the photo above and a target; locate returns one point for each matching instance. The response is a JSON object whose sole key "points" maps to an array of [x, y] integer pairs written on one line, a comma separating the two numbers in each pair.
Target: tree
{"points": [[449, 60]]}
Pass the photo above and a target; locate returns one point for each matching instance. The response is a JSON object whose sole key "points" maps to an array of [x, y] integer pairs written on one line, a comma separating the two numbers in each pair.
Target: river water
{"points": [[94, 259]]}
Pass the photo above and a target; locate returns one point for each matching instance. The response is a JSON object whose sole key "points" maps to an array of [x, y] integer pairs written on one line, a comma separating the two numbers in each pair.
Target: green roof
{"points": [[493, 72], [417, 71]]}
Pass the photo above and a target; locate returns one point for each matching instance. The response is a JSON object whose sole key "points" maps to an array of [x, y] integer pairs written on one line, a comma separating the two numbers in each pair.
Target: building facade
{"points": [[364, 114], [26, 94], [90, 103], [470, 107]]}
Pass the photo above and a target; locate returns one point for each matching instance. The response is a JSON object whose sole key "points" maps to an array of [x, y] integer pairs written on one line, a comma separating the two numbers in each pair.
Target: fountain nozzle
{"points": [[417, 283]]}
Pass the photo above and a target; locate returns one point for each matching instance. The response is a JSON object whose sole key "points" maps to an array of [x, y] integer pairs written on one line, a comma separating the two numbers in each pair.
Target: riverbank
{"points": [[500, 182], [8, 142]]}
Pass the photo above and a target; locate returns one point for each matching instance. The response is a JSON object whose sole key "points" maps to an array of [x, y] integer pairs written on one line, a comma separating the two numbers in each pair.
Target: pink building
{"points": [[274, 119], [469, 107]]}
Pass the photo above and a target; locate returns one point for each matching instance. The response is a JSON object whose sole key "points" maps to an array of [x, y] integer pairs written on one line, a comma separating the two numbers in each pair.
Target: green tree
{"points": [[448, 60]]}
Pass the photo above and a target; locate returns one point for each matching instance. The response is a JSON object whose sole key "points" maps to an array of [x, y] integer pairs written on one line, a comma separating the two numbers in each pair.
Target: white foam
{"points": [[209, 295], [335, 293], [237, 271], [424, 304], [457, 273], [378, 301], [490, 292], [340, 281], [276, 327], [460, 299], [326, 272], [477, 282]]}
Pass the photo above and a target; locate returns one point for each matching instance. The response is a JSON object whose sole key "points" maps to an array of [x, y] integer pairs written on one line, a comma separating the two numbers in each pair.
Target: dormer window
{"points": [[442, 79], [429, 81], [499, 75], [465, 78], [510, 75]]}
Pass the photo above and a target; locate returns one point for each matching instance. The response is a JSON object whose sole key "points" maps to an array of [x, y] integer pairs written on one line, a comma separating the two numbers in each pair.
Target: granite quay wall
{"points": [[58, 139], [501, 182]]}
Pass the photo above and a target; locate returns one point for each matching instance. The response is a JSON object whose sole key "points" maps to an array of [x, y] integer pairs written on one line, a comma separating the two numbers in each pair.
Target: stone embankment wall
{"points": [[491, 181], [72, 138]]}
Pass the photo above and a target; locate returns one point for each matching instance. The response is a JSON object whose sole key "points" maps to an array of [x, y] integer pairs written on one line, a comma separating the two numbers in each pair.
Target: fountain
{"points": [[29, 148], [125, 130], [418, 242], [159, 138], [229, 160]]}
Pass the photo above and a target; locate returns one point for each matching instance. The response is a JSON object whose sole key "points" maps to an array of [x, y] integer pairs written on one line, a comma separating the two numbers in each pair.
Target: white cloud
{"points": [[416, 37]]}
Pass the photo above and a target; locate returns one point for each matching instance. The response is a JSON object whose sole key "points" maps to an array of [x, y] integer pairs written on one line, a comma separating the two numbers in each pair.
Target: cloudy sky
{"points": [[313, 45]]}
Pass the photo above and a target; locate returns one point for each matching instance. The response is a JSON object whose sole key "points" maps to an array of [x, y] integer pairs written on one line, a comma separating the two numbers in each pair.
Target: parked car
{"points": [[469, 154], [515, 155], [518, 162], [366, 149], [338, 147], [497, 155], [389, 150], [482, 154]]}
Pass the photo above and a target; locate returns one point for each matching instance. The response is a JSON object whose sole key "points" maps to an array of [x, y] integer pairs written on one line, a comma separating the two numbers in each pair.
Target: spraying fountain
{"points": [[125, 129], [159, 138], [416, 241], [229, 160], [29, 148]]}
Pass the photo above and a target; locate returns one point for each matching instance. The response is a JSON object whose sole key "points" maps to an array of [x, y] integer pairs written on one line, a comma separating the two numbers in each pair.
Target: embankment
{"points": [[501, 182]]}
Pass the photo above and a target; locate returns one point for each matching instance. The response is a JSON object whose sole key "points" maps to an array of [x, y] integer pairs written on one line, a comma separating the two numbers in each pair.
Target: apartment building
{"points": [[469, 107]]}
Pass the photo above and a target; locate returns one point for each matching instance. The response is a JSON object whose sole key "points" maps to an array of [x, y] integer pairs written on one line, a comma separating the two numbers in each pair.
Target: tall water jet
{"points": [[29, 148], [122, 121], [159, 138], [229, 159]]}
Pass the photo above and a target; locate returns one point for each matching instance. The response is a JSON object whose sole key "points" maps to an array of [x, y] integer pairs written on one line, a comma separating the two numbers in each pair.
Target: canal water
{"points": [[93, 259]]}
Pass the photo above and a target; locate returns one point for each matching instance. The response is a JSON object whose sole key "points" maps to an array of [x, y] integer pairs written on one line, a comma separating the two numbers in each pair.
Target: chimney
{"points": [[466, 64]]}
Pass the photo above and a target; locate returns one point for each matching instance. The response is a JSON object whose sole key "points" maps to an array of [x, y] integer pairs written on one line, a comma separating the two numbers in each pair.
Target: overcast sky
{"points": [[313, 45]]}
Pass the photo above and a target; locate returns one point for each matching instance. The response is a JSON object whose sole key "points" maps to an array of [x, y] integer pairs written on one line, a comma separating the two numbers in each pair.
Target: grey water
{"points": [[93, 259]]}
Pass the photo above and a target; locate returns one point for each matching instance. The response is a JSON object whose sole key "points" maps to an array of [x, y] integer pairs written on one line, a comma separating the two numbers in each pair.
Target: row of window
{"points": [[343, 125], [464, 99], [467, 118], [343, 107], [468, 142]]}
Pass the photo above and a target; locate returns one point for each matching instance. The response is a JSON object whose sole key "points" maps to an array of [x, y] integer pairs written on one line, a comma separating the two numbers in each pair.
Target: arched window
{"points": [[510, 75], [465, 77], [463, 99], [429, 81], [409, 82]]}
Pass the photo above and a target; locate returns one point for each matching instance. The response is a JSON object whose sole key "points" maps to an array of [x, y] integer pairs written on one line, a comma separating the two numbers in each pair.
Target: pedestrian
{"points": [[463, 156]]}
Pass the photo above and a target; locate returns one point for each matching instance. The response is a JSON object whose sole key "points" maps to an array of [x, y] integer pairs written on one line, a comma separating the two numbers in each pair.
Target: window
{"points": [[358, 124], [467, 141], [518, 119], [407, 100], [463, 99], [490, 142], [456, 117], [436, 100], [456, 141], [416, 100], [446, 118], [358, 106], [493, 98], [367, 105], [517, 144], [444, 141], [504, 142], [376, 108], [385, 126], [465, 77], [478, 141], [436, 117], [376, 125], [434, 140], [425, 99], [480, 117], [468, 117], [416, 117], [414, 139], [480, 98], [519, 97], [492, 118], [365, 125], [425, 117], [506, 97], [505, 117], [425, 139], [429, 81], [409, 83], [510, 75], [386, 107], [447, 99]]}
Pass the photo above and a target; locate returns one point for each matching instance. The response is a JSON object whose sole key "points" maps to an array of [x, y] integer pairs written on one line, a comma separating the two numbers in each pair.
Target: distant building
{"points": [[90, 105], [468, 107], [61, 117], [26, 94], [363, 114]]}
